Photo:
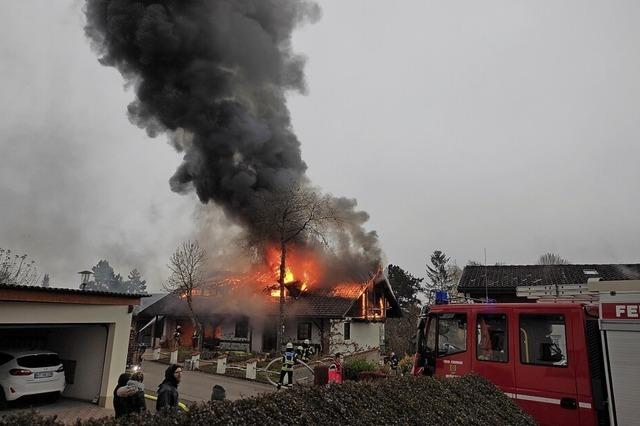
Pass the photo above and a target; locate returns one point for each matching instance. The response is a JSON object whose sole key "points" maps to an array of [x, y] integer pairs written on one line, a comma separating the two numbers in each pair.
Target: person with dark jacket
{"points": [[168, 389], [136, 402], [120, 404]]}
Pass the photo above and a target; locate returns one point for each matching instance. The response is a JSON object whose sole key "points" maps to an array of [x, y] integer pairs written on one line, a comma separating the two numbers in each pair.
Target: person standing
{"points": [[168, 389], [136, 402], [177, 335], [393, 362], [120, 395], [307, 351], [194, 338], [289, 359]]}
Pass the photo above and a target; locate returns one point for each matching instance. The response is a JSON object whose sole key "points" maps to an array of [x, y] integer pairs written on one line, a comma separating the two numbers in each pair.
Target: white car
{"points": [[29, 373]]}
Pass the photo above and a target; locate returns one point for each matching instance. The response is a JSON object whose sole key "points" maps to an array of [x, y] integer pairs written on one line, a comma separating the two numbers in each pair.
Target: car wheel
{"points": [[3, 400]]}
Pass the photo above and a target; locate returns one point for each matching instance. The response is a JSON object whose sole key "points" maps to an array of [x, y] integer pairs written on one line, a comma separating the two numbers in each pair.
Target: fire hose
{"points": [[181, 405], [266, 369]]}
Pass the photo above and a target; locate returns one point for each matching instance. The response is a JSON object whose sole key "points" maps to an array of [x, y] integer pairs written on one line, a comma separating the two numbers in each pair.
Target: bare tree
{"points": [[17, 269], [552, 259], [187, 274], [298, 213]]}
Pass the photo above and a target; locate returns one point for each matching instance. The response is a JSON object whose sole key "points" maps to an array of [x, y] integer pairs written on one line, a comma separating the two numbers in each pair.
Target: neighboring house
{"points": [[500, 282], [345, 318]]}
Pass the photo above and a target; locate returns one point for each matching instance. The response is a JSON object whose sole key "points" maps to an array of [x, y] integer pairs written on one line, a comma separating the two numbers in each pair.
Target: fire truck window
{"points": [[452, 334], [543, 340], [491, 338], [431, 334]]}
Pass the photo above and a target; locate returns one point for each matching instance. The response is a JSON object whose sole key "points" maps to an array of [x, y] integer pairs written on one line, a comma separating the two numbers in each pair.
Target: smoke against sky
{"points": [[214, 74], [506, 125]]}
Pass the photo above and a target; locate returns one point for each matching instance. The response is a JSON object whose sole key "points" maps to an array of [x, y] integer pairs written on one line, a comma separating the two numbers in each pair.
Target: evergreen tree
{"points": [[45, 280], [442, 276], [135, 283], [400, 332], [105, 279], [405, 286]]}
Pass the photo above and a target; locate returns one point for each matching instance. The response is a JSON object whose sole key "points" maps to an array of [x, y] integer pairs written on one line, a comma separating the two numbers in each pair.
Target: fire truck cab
{"points": [[565, 362]]}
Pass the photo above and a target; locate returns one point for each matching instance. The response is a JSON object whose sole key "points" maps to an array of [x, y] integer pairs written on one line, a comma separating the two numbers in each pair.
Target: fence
{"points": [[303, 372]]}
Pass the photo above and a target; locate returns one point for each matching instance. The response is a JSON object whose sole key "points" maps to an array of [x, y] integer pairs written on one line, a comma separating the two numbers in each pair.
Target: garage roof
{"points": [[28, 293]]}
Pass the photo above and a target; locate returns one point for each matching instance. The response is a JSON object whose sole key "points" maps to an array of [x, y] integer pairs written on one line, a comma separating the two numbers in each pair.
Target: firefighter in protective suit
{"points": [[307, 351], [289, 359]]}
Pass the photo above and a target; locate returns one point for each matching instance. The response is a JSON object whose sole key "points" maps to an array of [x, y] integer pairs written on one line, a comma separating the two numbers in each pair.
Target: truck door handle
{"points": [[569, 403]]}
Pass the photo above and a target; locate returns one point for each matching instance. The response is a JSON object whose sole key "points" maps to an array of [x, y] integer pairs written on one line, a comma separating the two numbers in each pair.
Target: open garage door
{"points": [[82, 348]]}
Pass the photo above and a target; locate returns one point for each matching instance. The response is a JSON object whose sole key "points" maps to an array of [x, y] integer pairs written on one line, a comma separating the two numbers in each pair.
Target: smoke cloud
{"points": [[213, 76]]}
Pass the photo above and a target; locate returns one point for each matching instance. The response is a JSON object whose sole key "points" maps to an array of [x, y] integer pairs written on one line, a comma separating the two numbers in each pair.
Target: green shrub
{"points": [[469, 400], [354, 366], [406, 364]]}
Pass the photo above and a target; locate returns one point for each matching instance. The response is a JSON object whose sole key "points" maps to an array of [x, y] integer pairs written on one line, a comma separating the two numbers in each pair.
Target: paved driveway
{"points": [[196, 386]]}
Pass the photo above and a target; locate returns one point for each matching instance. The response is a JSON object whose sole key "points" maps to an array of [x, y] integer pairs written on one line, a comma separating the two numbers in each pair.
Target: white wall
{"points": [[86, 346], [116, 317], [364, 336]]}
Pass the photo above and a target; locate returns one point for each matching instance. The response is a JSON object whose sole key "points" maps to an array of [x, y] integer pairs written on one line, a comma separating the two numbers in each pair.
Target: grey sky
{"points": [[508, 125]]}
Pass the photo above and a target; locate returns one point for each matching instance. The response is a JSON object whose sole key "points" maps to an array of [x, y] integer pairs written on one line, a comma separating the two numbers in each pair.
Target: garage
{"points": [[89, 331]]}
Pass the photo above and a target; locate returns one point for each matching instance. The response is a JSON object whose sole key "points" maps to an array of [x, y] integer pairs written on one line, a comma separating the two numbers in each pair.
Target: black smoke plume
{"points": [[213, 75]]}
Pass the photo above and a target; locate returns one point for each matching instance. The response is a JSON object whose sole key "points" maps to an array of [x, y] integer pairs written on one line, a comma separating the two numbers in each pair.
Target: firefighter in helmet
{"points": [[307, 351], [289, 359]]}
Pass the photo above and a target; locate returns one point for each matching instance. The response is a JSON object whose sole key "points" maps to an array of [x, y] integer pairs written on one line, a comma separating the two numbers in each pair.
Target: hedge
{"points": [[468, 400]]}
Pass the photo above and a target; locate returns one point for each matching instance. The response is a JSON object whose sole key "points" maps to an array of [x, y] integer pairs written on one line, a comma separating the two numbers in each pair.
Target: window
{"points": [[543, 340], [347, 331], [452, 334], [491, 338], [38, 361], [242, 328], [304, 330], [431, 334]]}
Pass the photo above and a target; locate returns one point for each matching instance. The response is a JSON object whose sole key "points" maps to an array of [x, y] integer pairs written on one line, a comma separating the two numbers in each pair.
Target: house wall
{"points": [[364, 336], [291, 330], [228, 338], [116, 318], [255, 328]]}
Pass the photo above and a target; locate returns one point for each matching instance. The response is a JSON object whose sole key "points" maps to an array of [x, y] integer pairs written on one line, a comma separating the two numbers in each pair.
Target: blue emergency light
{"points": [[442, 297]]}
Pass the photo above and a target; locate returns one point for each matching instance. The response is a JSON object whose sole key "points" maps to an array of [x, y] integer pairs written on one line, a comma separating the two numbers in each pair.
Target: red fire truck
{"points": [[570, 359]]}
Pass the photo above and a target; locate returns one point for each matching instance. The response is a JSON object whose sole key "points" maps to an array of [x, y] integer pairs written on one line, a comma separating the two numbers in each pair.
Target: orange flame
{"points": [[301, 265]]}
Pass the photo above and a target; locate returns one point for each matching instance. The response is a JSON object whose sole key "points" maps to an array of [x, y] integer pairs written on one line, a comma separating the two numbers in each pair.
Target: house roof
{"points": [[507, 277], [11, 292], [148, 301], [332, 302], [320, 302]]}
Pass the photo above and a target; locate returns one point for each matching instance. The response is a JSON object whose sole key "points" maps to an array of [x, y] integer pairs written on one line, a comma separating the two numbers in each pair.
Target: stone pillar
{"points": [[221, 366], [156, 354], [173, 359], [252, 369], [195, 361]]}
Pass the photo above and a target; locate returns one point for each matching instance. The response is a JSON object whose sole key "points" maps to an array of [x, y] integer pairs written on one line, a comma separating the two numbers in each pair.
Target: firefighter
{"points": [[177, 335], [307, 351], [289, 359], [393, 362], [194, 338]]}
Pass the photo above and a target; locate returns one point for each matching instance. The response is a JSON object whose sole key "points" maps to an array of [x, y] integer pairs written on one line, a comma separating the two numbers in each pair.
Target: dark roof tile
{"points": [[510, 276]]}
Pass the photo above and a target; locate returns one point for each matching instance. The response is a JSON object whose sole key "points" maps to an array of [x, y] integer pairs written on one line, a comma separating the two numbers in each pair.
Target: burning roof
{"points": [[335, 302]]}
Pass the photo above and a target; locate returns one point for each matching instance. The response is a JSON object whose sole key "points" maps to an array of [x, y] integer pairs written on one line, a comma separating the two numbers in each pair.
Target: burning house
{"points": [[346, 317]]}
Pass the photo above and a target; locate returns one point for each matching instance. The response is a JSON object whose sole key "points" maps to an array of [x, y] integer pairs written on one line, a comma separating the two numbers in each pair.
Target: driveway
{"points": [[67, 410], [196, 386]]}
